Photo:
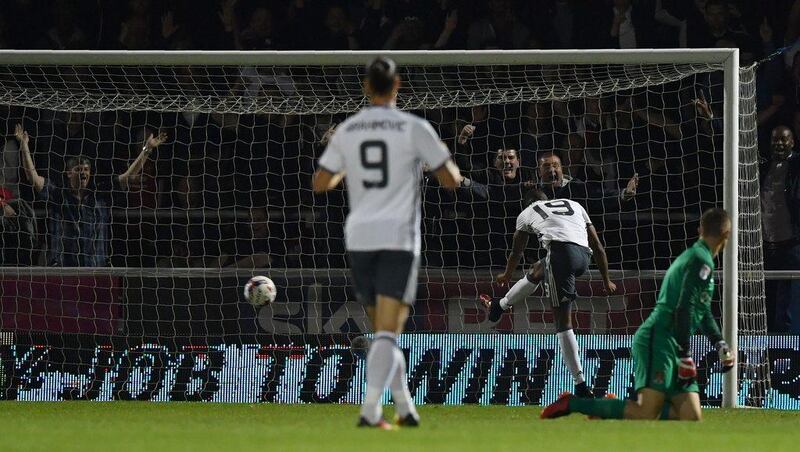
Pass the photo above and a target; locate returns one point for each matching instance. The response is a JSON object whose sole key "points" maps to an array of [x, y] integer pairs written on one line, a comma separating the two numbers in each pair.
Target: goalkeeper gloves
{"points": [[726, 358], [687, 371]]}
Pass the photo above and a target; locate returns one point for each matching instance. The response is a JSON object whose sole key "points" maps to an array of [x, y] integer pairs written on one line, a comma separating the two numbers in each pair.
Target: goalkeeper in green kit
{"points": [[663, 366]]}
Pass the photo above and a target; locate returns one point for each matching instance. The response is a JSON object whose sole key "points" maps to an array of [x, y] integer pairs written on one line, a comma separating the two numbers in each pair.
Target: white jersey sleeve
{"points": [[427, 143], [584, 214], [332, 159], [528, 221]]}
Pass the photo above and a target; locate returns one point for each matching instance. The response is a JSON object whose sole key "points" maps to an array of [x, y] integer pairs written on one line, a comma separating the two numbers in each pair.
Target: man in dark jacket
{"points": [[780, 207], [80, 215], [496, 197], [556, 185]]}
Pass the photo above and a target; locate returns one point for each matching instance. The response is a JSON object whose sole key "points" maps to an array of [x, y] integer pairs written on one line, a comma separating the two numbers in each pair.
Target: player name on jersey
{"points": [[386, 124]]}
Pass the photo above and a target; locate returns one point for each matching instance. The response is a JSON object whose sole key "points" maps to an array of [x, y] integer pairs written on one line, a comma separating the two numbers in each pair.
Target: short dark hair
{"points": [[381, 73], [538, 195], [532, 196], [713, 221], [506, 149], [72, 162], [781, 128], [548, 154]]}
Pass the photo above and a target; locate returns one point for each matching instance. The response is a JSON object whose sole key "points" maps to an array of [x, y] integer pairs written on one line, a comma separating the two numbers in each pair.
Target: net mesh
{"points": [[313, 90], [755, 368], [228, 196]]}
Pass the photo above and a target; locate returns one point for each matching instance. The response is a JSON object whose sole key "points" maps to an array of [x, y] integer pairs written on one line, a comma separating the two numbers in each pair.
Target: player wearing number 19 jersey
{"points": [[664, 369], [382, 150], [566, 232]]}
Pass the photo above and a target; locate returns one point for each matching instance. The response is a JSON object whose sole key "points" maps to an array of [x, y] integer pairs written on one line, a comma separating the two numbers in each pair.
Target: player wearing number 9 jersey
{"points": [[382, 150], [566, 232]]}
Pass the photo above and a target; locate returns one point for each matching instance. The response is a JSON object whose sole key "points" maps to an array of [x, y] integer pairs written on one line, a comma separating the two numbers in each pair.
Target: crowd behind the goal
{"points": [[220, 190]]}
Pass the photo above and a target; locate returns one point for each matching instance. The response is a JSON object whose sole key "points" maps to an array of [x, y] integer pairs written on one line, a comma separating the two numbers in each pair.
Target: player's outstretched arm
{"points": [[517, 249], [600, 258], [449, 175], [325, 180]]}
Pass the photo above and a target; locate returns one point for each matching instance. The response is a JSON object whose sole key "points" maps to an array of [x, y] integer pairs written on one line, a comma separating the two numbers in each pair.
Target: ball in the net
{"points": [[260, 290]]}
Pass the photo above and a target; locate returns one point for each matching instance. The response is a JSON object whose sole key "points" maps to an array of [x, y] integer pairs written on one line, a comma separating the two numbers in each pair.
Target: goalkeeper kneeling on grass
{"points": [[663, 366]]}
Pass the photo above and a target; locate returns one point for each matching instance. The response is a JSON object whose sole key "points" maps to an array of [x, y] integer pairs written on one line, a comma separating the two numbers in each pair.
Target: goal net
{"points": [[130, 287]]}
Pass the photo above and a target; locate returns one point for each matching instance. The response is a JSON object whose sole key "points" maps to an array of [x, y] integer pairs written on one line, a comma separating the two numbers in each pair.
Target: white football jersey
{"points": [[559, 220], [381, 150]]}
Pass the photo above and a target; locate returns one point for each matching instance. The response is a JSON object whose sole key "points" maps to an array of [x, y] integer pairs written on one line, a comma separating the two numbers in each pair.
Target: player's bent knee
{"points": [[536, 273], [387, 323], [648, 406], [688, 406], [390, 314], [691, 413]]}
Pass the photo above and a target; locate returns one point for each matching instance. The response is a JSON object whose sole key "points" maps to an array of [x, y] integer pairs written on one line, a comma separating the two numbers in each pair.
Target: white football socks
{"points": [[403, 403], [518, 292], [381, 366], [569, 350]]}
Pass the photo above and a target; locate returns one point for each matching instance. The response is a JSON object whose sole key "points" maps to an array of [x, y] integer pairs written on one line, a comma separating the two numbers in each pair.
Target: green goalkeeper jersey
{"points": [[684, 301]]}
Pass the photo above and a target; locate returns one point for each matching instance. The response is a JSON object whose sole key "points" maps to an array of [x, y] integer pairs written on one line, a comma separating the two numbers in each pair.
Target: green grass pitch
{"points": [[149, 426]]}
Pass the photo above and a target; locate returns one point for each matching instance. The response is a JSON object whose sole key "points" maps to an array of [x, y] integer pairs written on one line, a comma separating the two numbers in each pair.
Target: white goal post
{"points": [[725, 59]]}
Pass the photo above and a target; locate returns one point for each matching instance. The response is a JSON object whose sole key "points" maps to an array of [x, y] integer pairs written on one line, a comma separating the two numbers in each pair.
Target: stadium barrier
{"points": [[166, 339], [193, 310], [504, 369]]}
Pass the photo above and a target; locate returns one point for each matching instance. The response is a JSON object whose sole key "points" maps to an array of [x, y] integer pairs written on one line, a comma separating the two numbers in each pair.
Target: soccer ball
{"points": [[260, 290]]}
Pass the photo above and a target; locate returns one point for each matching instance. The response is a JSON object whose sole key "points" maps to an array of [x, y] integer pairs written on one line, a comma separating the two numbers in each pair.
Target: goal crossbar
{"points": [[358, 57]]}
